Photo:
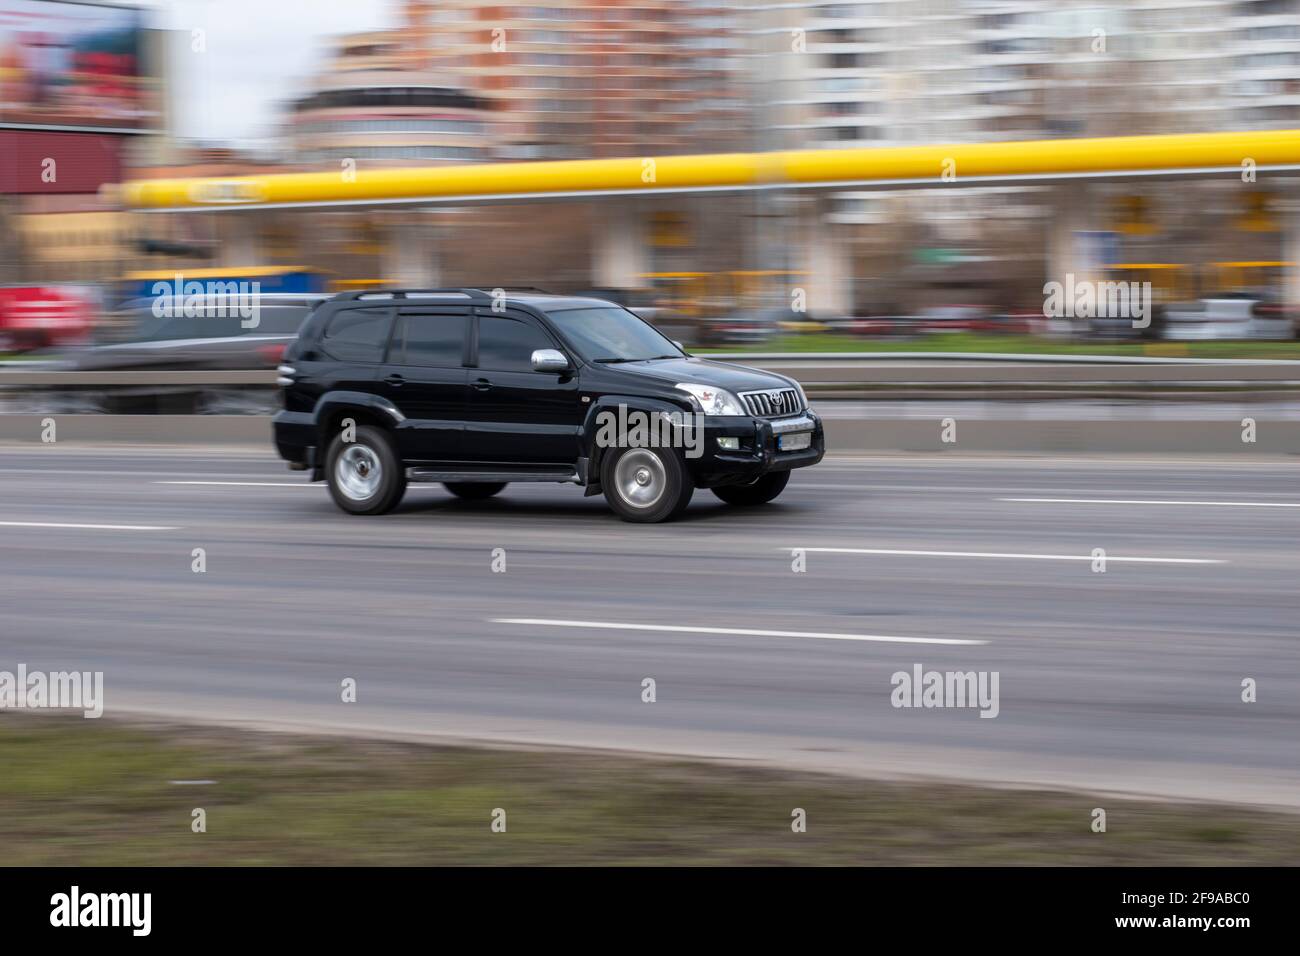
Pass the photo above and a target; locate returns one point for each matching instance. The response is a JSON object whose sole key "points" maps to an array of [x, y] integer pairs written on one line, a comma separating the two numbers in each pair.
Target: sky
{"points": [[259, 53]]}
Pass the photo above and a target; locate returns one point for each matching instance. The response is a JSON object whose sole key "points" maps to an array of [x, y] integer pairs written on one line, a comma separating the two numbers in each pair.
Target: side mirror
{"points": [[550, 360], [680, 347]]}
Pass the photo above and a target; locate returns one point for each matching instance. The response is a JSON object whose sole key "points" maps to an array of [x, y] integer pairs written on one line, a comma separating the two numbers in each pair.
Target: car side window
{"points": [[429, 339], [358, 335], [506, 344]]}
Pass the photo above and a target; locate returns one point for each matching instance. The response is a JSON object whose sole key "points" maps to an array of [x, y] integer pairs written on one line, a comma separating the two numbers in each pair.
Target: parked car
{"points": [[37, 317], [750, 327], [951, 318], [872, 326], [210, 339], [1125, 326], [386, 388], [1230, 316]]}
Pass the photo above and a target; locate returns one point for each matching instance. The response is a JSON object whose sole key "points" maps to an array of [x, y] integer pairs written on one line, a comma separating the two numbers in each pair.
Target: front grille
{"points": [[772, 403]]}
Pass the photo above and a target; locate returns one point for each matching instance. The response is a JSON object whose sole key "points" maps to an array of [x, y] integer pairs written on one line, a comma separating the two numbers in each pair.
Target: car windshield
{"points": [[610, 334]]}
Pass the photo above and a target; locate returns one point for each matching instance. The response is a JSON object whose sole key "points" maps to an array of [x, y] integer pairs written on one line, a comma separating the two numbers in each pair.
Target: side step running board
{"points": [[509, 475]]}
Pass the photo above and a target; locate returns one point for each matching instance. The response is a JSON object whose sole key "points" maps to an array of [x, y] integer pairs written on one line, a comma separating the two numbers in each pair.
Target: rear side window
{"points": [[429, 339], [506, 344], [357, 335]]}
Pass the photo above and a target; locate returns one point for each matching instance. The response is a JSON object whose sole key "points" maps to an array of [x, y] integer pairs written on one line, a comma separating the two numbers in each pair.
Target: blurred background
{"points": [[95, 95], [1123, 682]]}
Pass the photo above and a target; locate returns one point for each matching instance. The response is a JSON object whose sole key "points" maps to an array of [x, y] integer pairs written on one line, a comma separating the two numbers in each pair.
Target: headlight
{"points": [[713, 401]]}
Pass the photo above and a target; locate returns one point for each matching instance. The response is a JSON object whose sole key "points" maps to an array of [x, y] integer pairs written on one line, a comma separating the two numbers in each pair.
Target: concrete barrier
{"points": [[1210, 436], [141, 429], [48, 378], [814, 371]]}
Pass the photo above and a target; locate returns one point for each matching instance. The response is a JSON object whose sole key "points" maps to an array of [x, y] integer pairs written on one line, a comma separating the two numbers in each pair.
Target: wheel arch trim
{"points": [[331, 402]]}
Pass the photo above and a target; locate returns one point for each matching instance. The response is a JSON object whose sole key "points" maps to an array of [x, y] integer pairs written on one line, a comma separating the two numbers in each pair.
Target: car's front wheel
{"points": [[474, 490], [365, 476], [646, 484], [759, 492]]}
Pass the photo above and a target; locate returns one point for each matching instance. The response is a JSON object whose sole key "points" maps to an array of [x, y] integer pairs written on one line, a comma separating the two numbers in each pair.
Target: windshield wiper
{"points": [[650, 358]]}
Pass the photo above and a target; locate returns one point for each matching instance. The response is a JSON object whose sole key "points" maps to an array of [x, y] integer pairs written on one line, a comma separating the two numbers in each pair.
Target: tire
{"points": [[759, 492], [474, 490], [365, 476], [646, 485]]}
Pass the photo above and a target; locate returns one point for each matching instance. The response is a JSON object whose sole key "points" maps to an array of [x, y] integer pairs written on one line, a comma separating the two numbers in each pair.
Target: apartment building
{"points": [[590, 78], [370, 102], [833, 74]]}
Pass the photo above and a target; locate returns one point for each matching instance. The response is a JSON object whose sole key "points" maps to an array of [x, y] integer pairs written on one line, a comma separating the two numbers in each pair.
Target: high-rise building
{"points": [[371, 102], [853, 73], [863, 72], [590, 78]]}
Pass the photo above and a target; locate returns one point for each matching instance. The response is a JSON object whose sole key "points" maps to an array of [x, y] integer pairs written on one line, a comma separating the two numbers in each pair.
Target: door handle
{"points": [[394, 380], [481, 385]]}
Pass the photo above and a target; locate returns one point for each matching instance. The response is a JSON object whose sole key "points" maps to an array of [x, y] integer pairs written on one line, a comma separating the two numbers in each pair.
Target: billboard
{"points": [[74, 66]]}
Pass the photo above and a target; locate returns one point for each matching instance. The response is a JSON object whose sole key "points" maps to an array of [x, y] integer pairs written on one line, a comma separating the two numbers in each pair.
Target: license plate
{"points": [[794, 442]]}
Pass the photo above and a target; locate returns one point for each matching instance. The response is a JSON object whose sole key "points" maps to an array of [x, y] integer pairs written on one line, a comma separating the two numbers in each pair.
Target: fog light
{"points": [[729, 444]]}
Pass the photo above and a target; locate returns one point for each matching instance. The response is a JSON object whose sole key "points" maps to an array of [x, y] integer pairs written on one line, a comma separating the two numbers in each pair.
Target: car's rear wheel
{"points": [[646, 484], [759, 492], [365, 476], [474, 490]]}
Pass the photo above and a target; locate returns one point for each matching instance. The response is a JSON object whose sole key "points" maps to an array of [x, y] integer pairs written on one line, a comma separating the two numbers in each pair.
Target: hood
{"points": [[734, 378]]}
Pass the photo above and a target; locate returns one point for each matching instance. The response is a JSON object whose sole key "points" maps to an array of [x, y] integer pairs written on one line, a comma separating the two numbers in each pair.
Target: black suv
{"points": [[476, 389]]}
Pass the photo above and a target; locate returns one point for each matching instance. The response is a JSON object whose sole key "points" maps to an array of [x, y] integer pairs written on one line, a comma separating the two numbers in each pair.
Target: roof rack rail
{"points": [[516, 288], [475, 295]]}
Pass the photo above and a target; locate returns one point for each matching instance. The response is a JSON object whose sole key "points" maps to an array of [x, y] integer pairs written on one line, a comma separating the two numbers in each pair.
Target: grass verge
{"points": [[101, 793]]}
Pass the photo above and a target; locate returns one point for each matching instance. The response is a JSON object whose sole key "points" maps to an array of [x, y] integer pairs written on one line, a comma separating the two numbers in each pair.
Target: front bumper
{"points": [[758, 453]]}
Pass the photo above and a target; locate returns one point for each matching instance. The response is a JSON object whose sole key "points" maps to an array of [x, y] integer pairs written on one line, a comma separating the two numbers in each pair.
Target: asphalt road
{"points": [[1127, 680]]}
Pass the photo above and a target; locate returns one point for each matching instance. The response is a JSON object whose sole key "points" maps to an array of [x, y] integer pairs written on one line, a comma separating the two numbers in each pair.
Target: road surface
{"points": [[1127, 680]]}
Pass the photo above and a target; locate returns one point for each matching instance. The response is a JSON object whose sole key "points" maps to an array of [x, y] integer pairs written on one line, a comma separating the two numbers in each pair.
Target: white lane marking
{"points": [[93, 472], [985, 489], [1008, 554], [1110, 463], [192, 783], [242, 484], [90, 527], [743, 631], [1152, 501]]}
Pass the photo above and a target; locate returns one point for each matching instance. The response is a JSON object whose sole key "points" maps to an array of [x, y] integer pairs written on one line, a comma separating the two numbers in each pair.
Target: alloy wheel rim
{"points": [[641, 478], [358, 472]]}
